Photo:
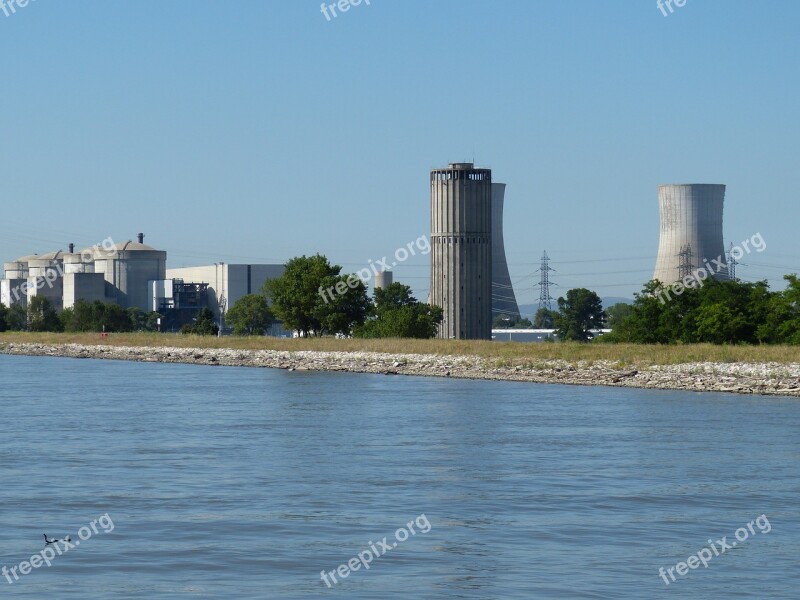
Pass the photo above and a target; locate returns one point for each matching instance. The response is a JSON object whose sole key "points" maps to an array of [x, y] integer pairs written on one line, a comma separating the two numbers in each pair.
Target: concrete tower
{"points": [[504, 302], [383, 279], [461, 256], [691, 231]]}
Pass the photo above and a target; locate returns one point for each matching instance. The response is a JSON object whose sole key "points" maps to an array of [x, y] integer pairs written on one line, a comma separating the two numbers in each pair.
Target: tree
{"points": [[618, 313], [111, 317], [80, 317], [396, 313], [3, 314], [579, 313], [42, 316], [544, 318], [313, 298], [250, 315], [204, 323], [502, 322], [17, 318]]}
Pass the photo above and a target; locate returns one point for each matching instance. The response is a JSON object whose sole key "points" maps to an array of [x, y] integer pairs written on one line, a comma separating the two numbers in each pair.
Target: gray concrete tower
{"points": [[691, 231], [461, 256], [504, 302]]}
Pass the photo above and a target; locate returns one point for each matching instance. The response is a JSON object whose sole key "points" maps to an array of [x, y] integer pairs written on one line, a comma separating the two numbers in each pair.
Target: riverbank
{"points": [[769, 378]]}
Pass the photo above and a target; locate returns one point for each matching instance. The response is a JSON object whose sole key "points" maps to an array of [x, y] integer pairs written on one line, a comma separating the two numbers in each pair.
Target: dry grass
{"points": [[508, 353]]}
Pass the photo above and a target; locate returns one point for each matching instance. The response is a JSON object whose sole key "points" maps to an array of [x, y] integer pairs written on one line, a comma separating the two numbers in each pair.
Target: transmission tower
{"points": [[685, 266], [732, 262], [545, 299]]}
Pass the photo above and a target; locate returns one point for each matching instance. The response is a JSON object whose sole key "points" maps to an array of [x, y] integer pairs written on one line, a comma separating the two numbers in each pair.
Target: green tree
{"points": [[17, 318], [152, 321], [42, 316], [313, 298], [250, 315], [544, 318], [506, 322], [397, 314], [3, 314], [80, 317], [111, 317], [618, 313], [204, 323], [503, 322], [579, 313]]}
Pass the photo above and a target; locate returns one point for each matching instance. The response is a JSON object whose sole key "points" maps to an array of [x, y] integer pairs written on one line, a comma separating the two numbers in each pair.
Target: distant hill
{"points": [[528, 310]]}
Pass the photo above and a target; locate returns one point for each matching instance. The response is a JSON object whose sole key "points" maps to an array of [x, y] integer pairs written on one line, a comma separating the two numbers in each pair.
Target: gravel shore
{"points": [[742, 378]]}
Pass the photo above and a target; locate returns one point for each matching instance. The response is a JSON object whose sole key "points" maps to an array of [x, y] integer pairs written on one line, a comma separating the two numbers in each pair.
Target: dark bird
{"points": [[48, 542]]}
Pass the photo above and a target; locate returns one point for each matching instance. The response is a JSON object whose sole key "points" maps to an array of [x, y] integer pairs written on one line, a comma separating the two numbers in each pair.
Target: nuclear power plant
{"points": [[504, 302], [691, 231], [131, 275], [461, 256]]}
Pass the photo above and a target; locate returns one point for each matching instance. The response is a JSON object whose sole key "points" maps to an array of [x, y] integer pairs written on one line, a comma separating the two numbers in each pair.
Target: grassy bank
{"points": [[507, 353]]}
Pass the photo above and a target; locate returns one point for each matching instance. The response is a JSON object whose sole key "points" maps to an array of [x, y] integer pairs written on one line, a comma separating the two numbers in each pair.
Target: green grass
{"points": [[499, 353]]}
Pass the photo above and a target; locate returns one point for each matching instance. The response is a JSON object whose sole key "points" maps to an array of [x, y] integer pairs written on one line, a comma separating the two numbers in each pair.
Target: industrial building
{"points": [[132, 275], [127, 268], [226, 283], [691, 231], [504, 301], [461, 256]]}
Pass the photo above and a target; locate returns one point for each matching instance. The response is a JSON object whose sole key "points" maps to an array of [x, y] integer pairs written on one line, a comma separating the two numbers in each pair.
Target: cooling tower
{"points": [[691, 231], [461, 256], [383, 279], [504, 302]]}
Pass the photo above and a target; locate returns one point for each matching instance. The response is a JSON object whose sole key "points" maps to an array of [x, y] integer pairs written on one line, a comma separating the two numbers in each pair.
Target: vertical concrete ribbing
{"points": [[461, 260], [691, 215]]}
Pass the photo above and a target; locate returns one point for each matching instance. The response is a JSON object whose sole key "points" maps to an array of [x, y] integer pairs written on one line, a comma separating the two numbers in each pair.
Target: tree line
{"points": [[312, 297]]}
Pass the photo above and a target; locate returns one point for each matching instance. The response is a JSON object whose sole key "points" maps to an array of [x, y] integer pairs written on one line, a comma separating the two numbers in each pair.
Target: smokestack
{"points": [[71, 248], [141, 238]]}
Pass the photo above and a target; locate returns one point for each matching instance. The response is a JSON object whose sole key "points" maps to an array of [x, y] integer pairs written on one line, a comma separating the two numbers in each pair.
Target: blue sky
{"points": [[258, 130]]}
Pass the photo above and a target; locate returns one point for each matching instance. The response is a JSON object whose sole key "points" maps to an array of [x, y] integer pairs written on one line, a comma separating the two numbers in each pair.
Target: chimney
{"points": [[71, 248], [141, 238]]}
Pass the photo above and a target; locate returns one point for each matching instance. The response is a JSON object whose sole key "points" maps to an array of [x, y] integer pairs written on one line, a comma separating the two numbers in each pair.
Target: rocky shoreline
{"points": [[742, 378]]}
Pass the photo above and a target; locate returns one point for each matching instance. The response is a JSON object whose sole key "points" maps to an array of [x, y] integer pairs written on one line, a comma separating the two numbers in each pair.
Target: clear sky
{"points": [[258, 130]]}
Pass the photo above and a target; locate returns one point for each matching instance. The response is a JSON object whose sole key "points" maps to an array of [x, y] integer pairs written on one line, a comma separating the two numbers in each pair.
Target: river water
{"points": [[213, 482]]}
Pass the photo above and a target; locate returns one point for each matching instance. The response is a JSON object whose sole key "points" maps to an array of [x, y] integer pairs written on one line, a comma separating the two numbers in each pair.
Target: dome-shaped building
{"points": [[127, 268]]}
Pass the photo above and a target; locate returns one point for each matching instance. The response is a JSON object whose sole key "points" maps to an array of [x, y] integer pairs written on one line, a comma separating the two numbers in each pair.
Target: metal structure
{"points": [[732, 263], [691, 215], [504, 301], [685, 264], [545, 299], [461, 256]]}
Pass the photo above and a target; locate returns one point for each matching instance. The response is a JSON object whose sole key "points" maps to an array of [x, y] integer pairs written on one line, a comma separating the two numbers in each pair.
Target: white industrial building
{"points": [[226, 282], [132, 274], [109, 272]]}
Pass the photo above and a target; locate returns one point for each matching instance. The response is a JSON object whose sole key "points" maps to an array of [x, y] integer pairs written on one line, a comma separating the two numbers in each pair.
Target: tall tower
{"points": [[461, 259], [545, 299], [691, 217], [504, 302]]}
